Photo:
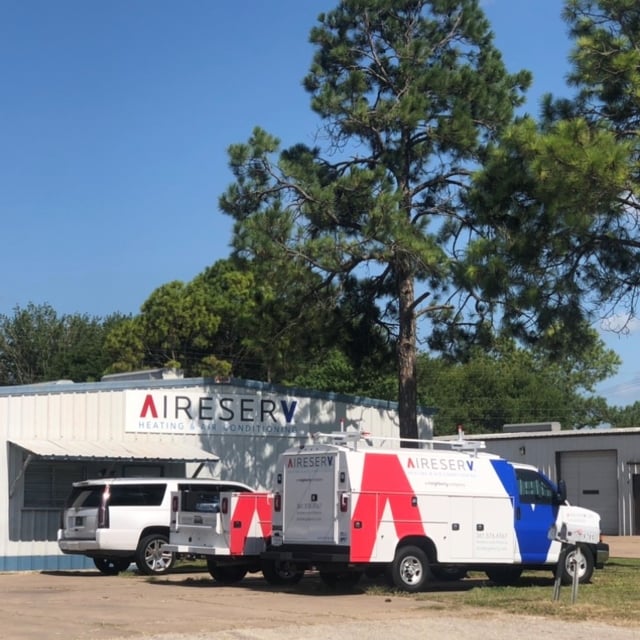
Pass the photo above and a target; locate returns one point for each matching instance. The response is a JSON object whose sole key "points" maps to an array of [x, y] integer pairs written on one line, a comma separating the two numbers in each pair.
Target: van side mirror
{"points": [[561, 495]]}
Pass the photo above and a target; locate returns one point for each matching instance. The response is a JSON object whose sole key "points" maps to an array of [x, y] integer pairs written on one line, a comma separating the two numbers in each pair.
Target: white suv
{"points": [[117, 521]]}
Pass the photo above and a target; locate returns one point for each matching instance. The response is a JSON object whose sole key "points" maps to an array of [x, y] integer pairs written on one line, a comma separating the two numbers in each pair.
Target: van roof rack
{"points": [[352, 438]]}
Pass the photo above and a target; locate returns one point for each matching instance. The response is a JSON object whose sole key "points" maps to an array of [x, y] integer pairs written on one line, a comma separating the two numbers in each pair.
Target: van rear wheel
{"points": [[111, 566], [281, 573], [226, 574], [150, 558], [409, 570]]}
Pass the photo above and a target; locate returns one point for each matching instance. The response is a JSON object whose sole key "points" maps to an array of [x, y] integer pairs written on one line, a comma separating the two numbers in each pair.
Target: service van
{"points": [[120, 521], [346, 503]]}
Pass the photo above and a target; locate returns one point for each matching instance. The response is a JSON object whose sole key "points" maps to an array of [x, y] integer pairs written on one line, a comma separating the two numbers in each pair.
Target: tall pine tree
{"points": [[410, 92]]}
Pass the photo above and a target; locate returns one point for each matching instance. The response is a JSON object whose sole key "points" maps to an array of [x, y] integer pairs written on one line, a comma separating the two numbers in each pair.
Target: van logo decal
{"points": [[384, 481], [426, 463]]}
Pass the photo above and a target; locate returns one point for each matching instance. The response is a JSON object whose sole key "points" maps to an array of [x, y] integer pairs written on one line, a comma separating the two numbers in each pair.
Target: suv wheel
{"points": [[150, 559], [111, 566]]}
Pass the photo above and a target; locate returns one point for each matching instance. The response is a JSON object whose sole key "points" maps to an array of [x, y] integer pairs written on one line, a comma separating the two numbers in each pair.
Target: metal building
{"points": [[600, 466], [163, 425]]}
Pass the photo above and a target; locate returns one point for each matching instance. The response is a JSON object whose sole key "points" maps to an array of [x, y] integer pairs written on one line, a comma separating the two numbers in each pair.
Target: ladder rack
{"points": [[353, 438]]}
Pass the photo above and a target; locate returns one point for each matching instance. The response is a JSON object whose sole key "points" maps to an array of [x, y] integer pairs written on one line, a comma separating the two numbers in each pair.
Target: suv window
{"points": [[85, 497], [123, 495], [137, 495]]}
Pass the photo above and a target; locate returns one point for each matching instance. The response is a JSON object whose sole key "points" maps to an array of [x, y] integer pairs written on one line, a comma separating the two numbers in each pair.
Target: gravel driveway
{"points": [[87, 605]]}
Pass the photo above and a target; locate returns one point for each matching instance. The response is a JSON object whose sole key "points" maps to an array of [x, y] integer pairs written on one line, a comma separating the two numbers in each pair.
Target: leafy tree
{"points": [[174, 329], [606, 74], [28, 344], [623, 417], [511, 385], [179, 322], [557, 200], [267, 328], [410, 92], [81, 354], [125, 346], [38, 345]]}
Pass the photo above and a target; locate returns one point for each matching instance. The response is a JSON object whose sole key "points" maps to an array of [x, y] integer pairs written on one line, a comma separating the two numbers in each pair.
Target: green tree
{"points": [[175, 328], [267, 330], [606, 74], [509, 384], [557, 201], [125, 346], [81, 351], [623, 417], [28, 344], [38, 345], [410, 93]]}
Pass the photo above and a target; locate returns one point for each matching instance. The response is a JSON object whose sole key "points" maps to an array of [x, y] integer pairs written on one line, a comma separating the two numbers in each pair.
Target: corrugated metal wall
{"points": [[545, 451], [96, 413]]}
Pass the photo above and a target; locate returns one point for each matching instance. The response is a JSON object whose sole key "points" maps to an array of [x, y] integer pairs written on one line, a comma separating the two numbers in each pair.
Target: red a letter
{"points": [[149, 405]]}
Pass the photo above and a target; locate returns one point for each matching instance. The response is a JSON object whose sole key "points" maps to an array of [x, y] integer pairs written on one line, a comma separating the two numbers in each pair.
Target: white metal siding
{"points": [[96, 413]]}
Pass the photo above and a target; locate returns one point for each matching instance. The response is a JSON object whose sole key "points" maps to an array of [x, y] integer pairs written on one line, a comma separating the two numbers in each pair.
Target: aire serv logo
{"points": [[209, 413]]}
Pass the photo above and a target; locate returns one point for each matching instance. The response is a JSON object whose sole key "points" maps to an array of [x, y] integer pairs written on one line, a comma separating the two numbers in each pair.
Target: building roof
{"points": [[148, 451]]}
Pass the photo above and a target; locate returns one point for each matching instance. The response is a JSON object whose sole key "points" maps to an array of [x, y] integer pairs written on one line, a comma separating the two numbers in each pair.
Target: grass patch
{"points": [[612, 597]]}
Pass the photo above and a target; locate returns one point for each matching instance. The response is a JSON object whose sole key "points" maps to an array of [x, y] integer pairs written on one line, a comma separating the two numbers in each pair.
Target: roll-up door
{"points": [[592, 482]]}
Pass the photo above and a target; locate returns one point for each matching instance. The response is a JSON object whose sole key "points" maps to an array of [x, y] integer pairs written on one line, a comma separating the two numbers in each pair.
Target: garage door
{"points": [[592, 482]]}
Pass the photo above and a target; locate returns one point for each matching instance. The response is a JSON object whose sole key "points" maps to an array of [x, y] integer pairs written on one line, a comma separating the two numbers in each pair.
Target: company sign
{"points": [[191, 412]]}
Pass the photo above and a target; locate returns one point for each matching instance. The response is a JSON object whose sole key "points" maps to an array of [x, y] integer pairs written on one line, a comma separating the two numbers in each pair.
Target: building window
{"points": [[47, 484]]}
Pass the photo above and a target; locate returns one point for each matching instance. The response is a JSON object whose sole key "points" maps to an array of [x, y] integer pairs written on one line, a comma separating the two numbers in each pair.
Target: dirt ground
{"points": [[190, 606]]}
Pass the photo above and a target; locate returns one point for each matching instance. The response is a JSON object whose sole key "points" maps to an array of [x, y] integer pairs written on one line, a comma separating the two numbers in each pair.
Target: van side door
{"points": [[536, 511]]}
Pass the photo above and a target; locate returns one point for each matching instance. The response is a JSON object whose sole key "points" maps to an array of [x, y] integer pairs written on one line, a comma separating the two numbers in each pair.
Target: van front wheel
{"points": [[581, 562], [504, 576], [150, 558]]}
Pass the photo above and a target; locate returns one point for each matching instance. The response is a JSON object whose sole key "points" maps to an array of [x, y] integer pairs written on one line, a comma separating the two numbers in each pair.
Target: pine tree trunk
{"points": [[407, 381]]}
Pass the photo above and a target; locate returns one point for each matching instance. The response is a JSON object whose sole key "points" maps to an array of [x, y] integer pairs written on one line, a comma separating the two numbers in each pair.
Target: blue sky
{"points": [[115, 118]]}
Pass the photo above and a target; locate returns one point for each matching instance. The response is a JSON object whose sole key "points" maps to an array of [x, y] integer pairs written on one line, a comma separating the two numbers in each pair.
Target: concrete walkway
{"points": [[623, 546]]}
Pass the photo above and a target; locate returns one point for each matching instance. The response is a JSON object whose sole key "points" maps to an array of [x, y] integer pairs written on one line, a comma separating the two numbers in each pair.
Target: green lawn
{"points": [[613, 596]]}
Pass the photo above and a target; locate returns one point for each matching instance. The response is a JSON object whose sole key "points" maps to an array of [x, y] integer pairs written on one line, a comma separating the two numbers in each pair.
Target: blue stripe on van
{"points": [[533, 524]]}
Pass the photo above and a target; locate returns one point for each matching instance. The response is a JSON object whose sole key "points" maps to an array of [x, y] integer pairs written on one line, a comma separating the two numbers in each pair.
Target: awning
{"points": [[109, 450]]}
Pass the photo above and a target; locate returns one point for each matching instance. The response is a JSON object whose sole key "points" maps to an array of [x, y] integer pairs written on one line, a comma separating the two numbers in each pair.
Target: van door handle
{"points": [[517, 513]]}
